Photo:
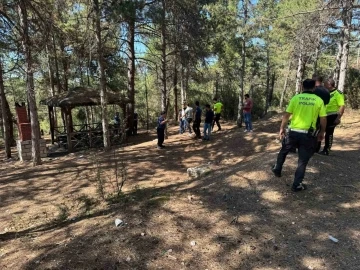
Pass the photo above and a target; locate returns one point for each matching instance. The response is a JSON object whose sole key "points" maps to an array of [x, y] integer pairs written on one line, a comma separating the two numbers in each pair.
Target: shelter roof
{"points": [[83, 96]]}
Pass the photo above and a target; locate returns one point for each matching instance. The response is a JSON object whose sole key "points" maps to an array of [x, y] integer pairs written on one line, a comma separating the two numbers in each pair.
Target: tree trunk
{"points": [[6, 122], [26, 44], [317, 52], [64, 58], [131, 73], [338, 62], [57, 73], [183, 95], [51, 79], [175, 82], [346, 16], [267, 102], [299, 73], [216, 86], [147, 105], [243, 69], [103, 97], [1, 121], [163, 57], [285, 85], [271, 92]]}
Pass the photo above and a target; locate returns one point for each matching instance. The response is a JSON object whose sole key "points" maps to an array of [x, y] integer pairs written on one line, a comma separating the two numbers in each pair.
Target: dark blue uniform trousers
{"points": [[306, 145]]}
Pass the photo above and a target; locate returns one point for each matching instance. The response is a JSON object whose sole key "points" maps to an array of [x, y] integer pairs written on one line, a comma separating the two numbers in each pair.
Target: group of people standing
{"points": [[190, 119], [188, 115], [313, 116]]}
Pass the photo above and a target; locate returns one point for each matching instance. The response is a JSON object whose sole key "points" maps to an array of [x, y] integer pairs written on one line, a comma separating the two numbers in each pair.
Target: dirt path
{"points": [[237, 217]]}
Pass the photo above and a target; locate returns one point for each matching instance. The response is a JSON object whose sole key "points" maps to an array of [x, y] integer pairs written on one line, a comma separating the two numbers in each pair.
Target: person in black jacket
{"points": [[197, 120], [209, 117], [161, 125]]}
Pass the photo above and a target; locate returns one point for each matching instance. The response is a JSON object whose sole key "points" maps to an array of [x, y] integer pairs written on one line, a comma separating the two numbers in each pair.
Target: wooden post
{"points": [[51, 118], [68, 128]]}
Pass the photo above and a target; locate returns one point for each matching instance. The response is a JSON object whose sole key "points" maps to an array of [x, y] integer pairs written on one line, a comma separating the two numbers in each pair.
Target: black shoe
{"points": [[324, 152], [276, 172], [300, 187]]}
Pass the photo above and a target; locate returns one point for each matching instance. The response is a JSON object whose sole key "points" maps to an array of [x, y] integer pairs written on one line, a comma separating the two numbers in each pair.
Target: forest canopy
{"points": [[162, 53]]}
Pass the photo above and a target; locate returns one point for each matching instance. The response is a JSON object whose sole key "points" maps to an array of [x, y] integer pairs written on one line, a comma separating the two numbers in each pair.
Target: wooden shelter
{"points": [[79, 97]]}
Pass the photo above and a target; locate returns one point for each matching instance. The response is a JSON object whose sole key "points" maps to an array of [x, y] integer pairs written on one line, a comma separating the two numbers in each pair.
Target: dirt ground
{"points": [[239, 216]]}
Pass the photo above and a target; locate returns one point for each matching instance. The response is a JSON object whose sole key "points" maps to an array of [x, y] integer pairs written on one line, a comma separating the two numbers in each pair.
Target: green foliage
{"points": [[204, 44], [352, 90]]}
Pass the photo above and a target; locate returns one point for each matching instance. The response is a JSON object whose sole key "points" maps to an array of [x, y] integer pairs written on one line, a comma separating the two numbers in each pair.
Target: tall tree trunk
{"points": [[216, 86], [243, 68], [51, 79], [6, 122], [131, 73], [61, 37], [183, 94], [1, 121], [271, 92], [26, 44], [57, 73], [175, 82], [346, 16], [64, 61], [299, 73], [338, 62], [103, 97], [147, 105], [163, 57], [267, 102], [317, 52], [285, 85]]}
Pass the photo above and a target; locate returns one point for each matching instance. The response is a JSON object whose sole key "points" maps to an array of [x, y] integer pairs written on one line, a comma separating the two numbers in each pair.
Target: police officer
{"points": [[218, 106], [321, 91], [334, 110], [304, 110]]}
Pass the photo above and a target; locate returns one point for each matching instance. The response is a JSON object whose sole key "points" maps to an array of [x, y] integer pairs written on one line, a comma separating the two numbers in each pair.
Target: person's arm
{"points": [[323, 122], [284, 122], [340, 114], [322, 128]]}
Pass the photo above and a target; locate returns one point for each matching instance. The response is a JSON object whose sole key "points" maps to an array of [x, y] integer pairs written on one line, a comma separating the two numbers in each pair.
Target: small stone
{"points": [[170, 250], [247, 229], [142, 234], [292, 223], [128, 259], [193, 243]]}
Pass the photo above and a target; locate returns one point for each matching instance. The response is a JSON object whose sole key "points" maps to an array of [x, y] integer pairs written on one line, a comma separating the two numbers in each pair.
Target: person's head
{"points": [[247, 96], [215, 99], [163, 113], [207, 107], [197, 103], [330, 84], [309, 85], [318, 79]]}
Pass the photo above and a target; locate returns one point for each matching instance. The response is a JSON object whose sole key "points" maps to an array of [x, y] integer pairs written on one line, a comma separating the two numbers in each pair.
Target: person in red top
{"points": [[247, 113]]}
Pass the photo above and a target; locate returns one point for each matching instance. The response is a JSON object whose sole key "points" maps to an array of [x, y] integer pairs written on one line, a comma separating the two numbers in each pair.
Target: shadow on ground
{"points": [[238, 217]]}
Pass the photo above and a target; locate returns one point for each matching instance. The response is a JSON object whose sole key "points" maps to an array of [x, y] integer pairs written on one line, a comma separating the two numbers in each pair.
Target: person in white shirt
{"points": [[189, 116]]}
